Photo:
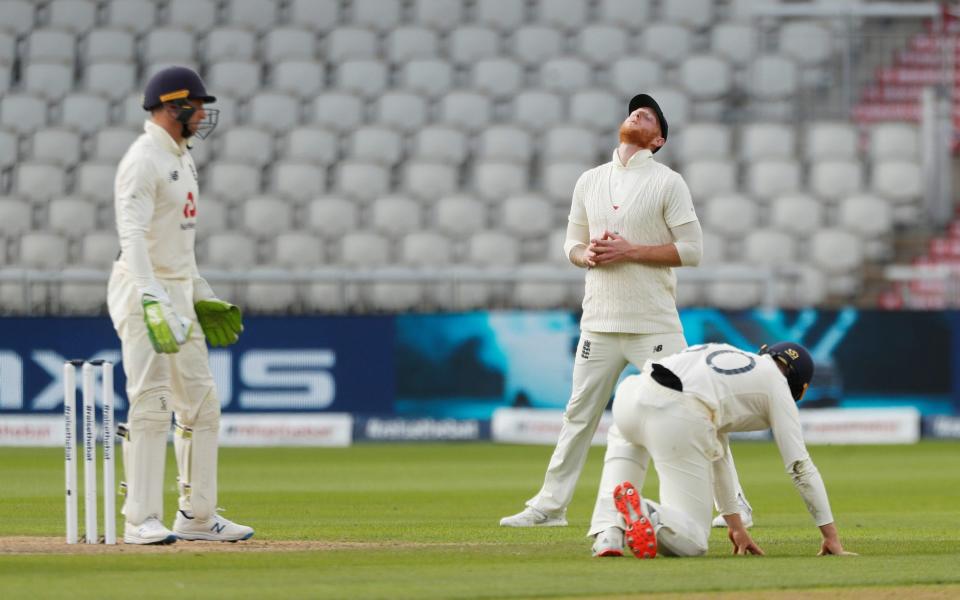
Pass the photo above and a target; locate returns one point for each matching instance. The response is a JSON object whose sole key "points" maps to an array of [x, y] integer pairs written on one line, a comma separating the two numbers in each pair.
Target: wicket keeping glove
{"points": [[166, 329], [221, 321]]}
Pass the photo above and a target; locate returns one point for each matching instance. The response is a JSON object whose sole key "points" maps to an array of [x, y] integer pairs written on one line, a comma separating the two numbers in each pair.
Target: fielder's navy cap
{"points": [[799, 365], [647, 101], [174, 83]]}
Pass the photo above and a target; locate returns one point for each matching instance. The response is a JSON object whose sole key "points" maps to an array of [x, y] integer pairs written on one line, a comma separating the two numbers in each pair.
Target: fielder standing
{"points": [[678, 411], [156, 298], [631, 222]]}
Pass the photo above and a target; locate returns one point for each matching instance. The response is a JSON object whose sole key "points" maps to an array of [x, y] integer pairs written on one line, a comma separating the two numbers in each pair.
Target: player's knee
{"points": [[151, 410], [205, 414]]}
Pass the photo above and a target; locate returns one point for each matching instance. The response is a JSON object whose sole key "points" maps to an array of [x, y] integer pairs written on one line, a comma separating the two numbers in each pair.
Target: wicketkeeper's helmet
{"points": [[177, 85], [798, 362]]}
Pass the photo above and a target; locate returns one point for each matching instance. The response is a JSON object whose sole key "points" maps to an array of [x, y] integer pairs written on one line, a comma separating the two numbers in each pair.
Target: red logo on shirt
{"points": [[190, 208]]}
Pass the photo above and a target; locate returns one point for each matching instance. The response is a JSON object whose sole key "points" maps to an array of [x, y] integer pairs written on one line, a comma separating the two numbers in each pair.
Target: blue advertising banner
{"points": [[282, 364]]}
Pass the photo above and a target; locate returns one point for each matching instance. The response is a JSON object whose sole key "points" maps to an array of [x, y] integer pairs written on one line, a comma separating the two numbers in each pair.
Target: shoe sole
{"points": [[189, 537], [610, 552], [170, 539], [638, 535], [550, 523]]}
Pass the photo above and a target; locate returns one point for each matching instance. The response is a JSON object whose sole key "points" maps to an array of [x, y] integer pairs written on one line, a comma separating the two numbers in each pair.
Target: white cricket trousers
{"points": [[600, 359], [677, 431]]}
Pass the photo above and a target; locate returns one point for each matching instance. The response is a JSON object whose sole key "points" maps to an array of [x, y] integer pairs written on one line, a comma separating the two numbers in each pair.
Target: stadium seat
{"points": [[404, 111], [565, 74], [43, 250], [238, 78], [250, 145], [568, 142], [703, 141], [364, 249], [298, 250], [288, 43], [57, 146], [230, 250], [362, 180], [600, 110], [897, 180], [78, 16], [15, 216], [868, 216], [763, 141], [364, 77], [425, 249], [376, 144], [806, 42], [563, 14], [835, 179], [378, 15], [493, 248], [705, 77], [831, 140], [731, 215], [266, 216], [212, 215], [633, 73], [504, 16], [440, 143], [95, 180], [39, 181], [710, 177], [505, 142], [5, 77], [299, 181], [460, 216], [396, 216], [302, 78], [735, 42], [9, 154], [767, 179], [99, 249], [469, 111], [315, 15], [733, 295], [393, 296], [499, 78], [233, 182], [132, 113], [537, 110], [468, 44], [410, 42], [338, 111], [560, 177], [798, 214], [17, 16], [429, 181], [496, 180], [50, 80], [430, 77], [769, 248], [633, 14], [772, 77], [197, 16], [81, 297], [22, 113], [269, 297], [810, 289], [51, 45], [233, 43], [893, 141], [439, 15], [169, 45], [311, 144], [666, 42], [602, 44], [535, 44], [350, 43], [527, 215], [836, 251], [137, 16], [252, 14], [696, 14], [90, 113], [275, 112], [531, 294], [113, 79], [715, 249], [73, 217], [8, 47], [103, 45], [332, 216]]}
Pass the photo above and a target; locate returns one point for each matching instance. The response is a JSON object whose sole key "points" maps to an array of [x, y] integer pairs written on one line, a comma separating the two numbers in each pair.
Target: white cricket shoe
{"points": [[150, 531], [214, 529], [531, 517], [608, 542], [746, 514]]}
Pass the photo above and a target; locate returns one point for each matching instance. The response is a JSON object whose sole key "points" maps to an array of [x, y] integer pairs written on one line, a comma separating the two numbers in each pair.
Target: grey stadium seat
{"points": [[534, 44], [836, 251], [769, 248], [99, 248], [807, 42], [709, 177], [298, 250], [17, 16], [598, 109], [396, 215], [527, 215], [8, 47], [108, 44], [213, 215], [376, 144], [703, 140], [425, 249], [760, 141], [499, 78], [696, 14], [338, 111], [316, 15], [51, 45], [706, 77], [350, 43], [630, 74], [43, 250], [289, 43], [493, 248], [825, 140], [233, 182], [403, 111], [252, 14], [231, 43], [378, 15], [799, 214], [269, 297], [39, 181], [429, 181], [633, 14], [460, 216], [230, 250], [197, 16], [440, 143], [362, 180], [237, 78], [505, 142], [250, 145], [602, 44], [539, 295], [504, 16], [496, 180], [169, 44], [266, 216], [835, 179], [562, 14], [95, 180], [767, 179], [428, 76], [50, 80], [467, 110], [113, 79], [5, 77], [137, 16], [667, 42], [538, 110], [410, 42], [441, 15], [365, 77], [312, 144], [867, 216], [570, 142], [364, 249], [302, 78], [331, 216], [560, 177], [15, 216], [736, 42], [772, 77], [78, 16], [897, 180], [274, 112], [565, 75], [469, 44], [9, 152], [732, 215], [299, 180], [58, 146], [88, 113], [894, 141], [72, 216]]}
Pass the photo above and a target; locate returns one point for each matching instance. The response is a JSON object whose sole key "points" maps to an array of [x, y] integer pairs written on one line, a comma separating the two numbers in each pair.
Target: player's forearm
{"points": [[664, 255], [809, 483], [829, 532], [133, 247]]}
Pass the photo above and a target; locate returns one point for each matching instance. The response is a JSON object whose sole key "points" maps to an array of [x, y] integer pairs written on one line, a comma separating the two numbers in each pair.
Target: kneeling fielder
{"points": [[678, 411]]}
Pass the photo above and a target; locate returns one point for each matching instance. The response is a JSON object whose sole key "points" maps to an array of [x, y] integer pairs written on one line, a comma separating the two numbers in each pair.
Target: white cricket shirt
{"points": [[641, 201]]}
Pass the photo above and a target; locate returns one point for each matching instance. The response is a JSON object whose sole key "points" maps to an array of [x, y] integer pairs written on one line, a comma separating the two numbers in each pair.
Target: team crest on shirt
{"points": [[174, 175]]}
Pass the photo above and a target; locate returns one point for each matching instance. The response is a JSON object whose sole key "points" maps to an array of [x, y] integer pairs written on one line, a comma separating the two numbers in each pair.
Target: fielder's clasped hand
{"points": [[610, 248]]}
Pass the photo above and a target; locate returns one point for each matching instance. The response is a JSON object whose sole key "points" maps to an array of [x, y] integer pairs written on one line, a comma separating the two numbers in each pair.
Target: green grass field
{"points": [[421, 521]]}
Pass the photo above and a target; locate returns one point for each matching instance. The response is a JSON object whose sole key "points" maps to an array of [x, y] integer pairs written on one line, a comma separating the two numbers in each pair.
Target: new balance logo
{"points": [[658, 348], [218, 527], [585, 351]]}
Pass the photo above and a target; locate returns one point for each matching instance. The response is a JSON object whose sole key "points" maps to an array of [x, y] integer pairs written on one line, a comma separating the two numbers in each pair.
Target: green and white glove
{"points": [[221, 321], [166, 329]]}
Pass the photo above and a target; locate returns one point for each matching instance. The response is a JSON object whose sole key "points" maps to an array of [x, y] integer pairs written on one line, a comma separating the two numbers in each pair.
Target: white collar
{"points": [[164, 139], [640, 158]]}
